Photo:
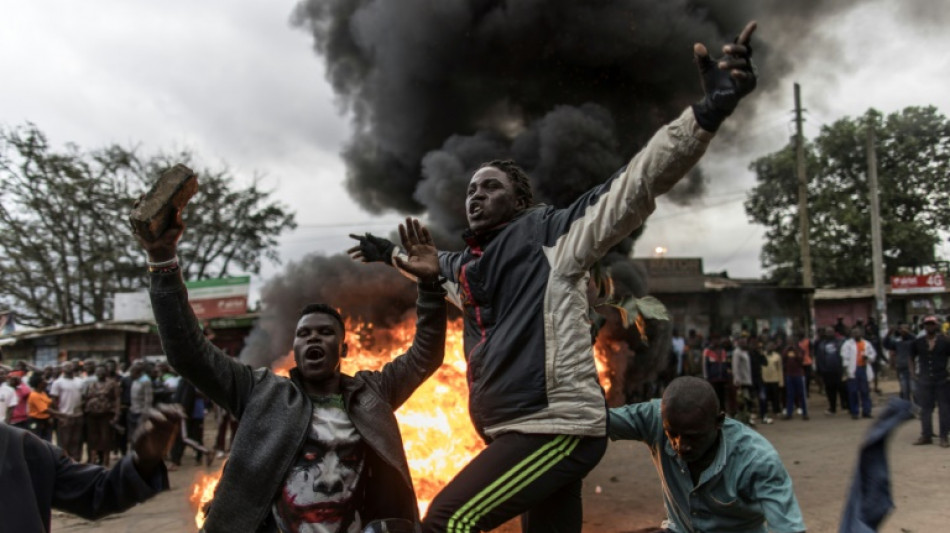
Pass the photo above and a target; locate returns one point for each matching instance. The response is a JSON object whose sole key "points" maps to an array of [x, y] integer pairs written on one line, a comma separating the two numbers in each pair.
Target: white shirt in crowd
{"points": [[8, 400], [69, 392]]}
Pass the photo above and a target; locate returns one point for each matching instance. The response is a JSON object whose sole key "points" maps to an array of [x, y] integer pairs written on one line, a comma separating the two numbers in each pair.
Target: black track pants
{"points": [[536, 476]]}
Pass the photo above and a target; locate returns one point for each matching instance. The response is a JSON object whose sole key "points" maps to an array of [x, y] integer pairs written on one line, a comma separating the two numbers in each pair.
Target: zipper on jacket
{"points": [[463, 277]]}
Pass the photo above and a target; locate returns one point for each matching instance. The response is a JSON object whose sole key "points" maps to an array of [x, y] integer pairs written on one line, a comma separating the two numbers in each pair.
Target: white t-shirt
{"points": [[8, 400], [69, 392]]}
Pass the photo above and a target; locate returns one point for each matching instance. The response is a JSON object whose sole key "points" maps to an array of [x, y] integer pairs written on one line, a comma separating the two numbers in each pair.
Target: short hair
{"points": [[325, 309], [35, 380], [519, 180], [687, 393]]}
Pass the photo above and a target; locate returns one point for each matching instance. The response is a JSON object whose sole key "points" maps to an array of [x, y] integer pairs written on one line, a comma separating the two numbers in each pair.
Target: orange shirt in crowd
{"points": [[805, 345], [37, 404], [861, 351]]}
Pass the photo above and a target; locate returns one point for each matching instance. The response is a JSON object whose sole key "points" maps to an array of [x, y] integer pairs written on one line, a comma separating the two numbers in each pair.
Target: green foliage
{"points": [[913, 147], [66, 248]]}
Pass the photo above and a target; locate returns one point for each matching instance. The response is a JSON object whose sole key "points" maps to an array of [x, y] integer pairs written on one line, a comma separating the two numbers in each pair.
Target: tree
{"points": [[913, 149], [66, 247]]}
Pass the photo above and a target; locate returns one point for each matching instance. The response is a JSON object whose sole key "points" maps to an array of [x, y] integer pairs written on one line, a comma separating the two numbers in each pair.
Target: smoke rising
{"points": [[570, 90], [372, 293]]}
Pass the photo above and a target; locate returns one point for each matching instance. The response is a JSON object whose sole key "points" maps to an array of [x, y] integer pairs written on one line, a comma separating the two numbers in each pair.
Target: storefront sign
{"points": [[918, 284], [213, 298]]}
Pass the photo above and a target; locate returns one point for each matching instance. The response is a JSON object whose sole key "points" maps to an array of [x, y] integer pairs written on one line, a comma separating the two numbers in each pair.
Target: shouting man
{"points": [[522, 284], [320, 451]]}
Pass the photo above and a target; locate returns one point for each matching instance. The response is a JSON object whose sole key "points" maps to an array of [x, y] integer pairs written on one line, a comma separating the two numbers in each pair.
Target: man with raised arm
{"points": [[38, 477], [522, 285], [320, 451]]}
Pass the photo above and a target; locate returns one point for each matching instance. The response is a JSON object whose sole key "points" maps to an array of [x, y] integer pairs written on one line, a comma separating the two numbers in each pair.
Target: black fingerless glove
{"points": [[722, 91], [375, 249]]}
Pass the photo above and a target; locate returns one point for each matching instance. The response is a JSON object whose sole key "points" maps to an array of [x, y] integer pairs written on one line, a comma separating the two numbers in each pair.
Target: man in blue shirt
{"points": [[717, 474]]}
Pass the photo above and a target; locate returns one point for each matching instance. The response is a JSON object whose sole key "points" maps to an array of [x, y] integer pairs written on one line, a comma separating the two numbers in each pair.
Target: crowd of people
{"points": [[90, 407], [760, 376], [323, 451]]}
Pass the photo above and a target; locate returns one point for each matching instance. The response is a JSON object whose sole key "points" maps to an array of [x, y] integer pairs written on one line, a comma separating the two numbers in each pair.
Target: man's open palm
{"points": [[423, 260]]}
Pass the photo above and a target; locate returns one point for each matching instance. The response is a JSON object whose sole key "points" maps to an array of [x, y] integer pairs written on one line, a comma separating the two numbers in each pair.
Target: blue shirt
{"points": [[745, 489]]}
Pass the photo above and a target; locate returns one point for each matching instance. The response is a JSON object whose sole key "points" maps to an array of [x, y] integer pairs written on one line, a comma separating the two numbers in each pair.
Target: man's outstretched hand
{"points": [[154, 436], [423, 260], [726, 80], [371, 249]]}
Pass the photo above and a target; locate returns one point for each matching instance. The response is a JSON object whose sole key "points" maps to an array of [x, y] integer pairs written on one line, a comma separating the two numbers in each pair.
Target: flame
{"points": [[201, 493], [611, 358], [437, 433], [602, 351]]}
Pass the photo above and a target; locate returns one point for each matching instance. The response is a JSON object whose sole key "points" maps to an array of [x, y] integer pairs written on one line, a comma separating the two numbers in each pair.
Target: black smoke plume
{"points": [[569, 89], [370, 293]]}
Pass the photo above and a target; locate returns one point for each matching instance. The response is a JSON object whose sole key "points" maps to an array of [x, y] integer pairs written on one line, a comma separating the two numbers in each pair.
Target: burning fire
{"points": [[437, 433]]}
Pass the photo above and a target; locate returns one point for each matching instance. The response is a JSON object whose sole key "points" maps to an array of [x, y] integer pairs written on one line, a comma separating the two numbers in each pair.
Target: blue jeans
{"points": [[858, 390], [907, 384], [795, 391]]}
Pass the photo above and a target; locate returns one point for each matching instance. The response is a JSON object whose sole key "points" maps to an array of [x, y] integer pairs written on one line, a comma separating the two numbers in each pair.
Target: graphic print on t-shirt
{"points": [[321, 491]]}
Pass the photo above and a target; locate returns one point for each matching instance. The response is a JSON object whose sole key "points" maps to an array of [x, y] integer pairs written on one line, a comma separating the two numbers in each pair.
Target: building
{"points": [[715, 303], [909, 298], [122, 341]]}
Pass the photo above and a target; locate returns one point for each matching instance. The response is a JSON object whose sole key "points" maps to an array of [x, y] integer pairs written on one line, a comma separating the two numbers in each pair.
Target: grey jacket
{"points": [[275, 412], [523, 292]]}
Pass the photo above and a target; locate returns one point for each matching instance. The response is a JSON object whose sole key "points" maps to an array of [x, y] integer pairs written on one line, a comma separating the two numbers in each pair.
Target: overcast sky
{"points": [[234, 82]]}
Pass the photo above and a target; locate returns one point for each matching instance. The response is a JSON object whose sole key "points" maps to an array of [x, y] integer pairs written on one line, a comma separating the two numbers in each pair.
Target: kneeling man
{"points": [[717, 474]]}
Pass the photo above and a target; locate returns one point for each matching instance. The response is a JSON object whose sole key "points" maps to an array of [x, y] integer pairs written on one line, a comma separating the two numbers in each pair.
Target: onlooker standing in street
{"points": [[140, 395], [192, 403], [841, 330], [828, 360], [857, 356], [742, 379], [39, 409], [873, 335], [125, 401], [805, 350], [8, 398], [772, 376], [901, 342], [225, 421], [794, 381], [694, 349], [18, 415], [66, 393], [716, 368], [757, 362], [102, 413], [931, 354], [678, 345]]}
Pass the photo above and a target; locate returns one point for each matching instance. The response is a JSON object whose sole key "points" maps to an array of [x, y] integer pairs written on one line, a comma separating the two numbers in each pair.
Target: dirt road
{"points": [[623, 492]]}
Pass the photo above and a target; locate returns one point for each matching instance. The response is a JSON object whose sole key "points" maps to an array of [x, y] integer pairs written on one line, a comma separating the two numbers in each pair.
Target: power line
{"points": [[373, 223], [694, 209]]}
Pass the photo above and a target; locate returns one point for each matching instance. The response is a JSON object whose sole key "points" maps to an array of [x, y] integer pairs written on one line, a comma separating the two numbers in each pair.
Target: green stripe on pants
{"points": [[512, 481]]}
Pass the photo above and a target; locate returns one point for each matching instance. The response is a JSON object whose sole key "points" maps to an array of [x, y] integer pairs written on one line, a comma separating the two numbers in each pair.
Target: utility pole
{"points": [[808, 281], [877, 253]]}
